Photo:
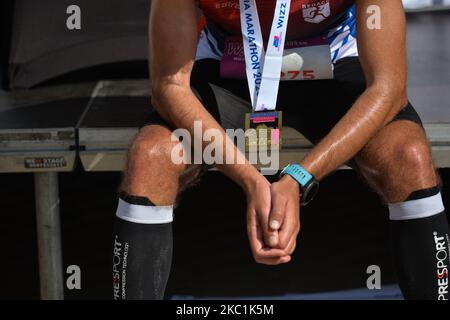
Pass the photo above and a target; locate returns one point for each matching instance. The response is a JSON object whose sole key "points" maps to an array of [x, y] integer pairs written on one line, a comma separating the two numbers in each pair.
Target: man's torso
{"points": [[308, 18]]}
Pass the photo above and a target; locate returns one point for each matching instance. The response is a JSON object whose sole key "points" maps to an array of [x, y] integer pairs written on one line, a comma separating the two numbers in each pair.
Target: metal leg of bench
{"points": [[49, 235]]}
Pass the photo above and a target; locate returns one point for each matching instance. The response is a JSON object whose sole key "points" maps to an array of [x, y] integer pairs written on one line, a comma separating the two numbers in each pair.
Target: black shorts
{"points": [[311, 107]]}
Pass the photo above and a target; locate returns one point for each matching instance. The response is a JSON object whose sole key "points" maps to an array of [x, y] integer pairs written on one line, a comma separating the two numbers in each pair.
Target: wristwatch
{"points": [[308, 184]]}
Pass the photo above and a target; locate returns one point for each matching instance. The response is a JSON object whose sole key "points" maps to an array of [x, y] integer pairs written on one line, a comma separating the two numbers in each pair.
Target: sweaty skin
{"points": [[172, 51], [386, 153], [382, 54], [174, 37]]}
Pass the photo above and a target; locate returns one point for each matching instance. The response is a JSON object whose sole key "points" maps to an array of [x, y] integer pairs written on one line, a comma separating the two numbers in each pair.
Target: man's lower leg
{"points": [[142, 248], [420, 235]]}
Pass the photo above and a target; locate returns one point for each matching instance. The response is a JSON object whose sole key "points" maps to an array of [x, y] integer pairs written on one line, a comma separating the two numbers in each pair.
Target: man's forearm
{"points": [[369, 114], [181, 108]]}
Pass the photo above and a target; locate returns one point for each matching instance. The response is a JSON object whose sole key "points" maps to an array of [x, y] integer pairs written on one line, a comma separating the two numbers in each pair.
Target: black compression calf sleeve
{"points": [[142, 250], [142, 257], [420, 238]]}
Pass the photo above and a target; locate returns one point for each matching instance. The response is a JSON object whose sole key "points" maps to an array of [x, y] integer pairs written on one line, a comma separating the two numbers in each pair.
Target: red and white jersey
{"points": [[308, 18]]}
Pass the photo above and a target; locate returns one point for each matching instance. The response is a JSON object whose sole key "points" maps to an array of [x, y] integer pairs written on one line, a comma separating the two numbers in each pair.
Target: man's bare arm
{"points": [[173, 43], [174, 37], [383, 57]]}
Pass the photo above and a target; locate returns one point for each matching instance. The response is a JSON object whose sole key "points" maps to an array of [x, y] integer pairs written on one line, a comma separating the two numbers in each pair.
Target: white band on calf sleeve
{"points": [[416, 209], [144, 214]]}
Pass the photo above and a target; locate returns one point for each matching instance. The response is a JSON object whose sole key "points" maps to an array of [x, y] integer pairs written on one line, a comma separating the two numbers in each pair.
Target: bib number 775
{"points": [[298, 75]]}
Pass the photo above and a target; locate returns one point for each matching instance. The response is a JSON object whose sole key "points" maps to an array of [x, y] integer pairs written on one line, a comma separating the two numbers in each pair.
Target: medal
{"points": [[263, 73], [266, 133]]}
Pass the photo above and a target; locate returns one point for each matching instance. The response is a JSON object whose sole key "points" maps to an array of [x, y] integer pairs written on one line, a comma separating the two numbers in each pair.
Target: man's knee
{"points": [[412, 155], [397, 162], [152, 150], [409, 163], [150, 169]]}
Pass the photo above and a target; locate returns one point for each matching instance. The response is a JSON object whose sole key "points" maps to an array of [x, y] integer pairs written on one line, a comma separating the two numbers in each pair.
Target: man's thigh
{"points": [[311, 107], [315, 107], [227, 100]]}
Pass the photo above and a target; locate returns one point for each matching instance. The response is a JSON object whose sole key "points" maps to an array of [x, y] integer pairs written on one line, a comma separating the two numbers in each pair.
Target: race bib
{"points": [[302, 60]]}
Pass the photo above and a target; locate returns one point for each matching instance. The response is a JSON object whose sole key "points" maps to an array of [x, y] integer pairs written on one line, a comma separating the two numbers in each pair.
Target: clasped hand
{"points": [[273, 219]]}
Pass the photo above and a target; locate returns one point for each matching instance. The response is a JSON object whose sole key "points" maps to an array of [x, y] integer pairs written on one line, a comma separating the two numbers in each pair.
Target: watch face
{"points": [[309, 192]]}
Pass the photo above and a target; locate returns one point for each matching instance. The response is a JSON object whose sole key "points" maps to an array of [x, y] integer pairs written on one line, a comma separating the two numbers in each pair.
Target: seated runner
{"points": [[356, 111]]}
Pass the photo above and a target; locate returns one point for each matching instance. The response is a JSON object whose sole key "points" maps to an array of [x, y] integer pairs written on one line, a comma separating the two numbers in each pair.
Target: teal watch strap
{"points": [[299, 173]]}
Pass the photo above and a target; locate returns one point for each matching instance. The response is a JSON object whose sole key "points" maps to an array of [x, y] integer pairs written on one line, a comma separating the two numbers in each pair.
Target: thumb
{"points": [[271, 238], [277, 212]]}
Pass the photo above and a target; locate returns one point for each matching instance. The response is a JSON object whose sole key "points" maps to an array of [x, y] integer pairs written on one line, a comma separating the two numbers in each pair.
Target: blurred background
{"points": [[72, 98], [425, 4]]}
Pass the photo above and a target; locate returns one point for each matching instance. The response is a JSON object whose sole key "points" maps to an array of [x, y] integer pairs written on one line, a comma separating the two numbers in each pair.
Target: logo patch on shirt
{"points": [[316, 12]]}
